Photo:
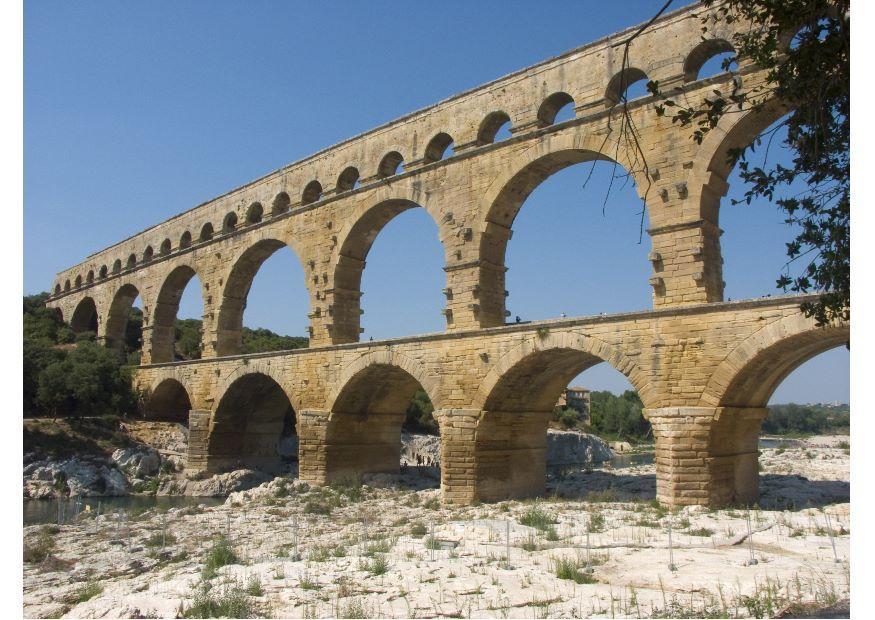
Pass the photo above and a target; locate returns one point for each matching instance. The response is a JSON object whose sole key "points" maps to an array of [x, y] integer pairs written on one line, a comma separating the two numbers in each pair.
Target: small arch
{"points": [[84, 317], [620, 84], [254, 213], [185, 240], [391, 164], [148, 253], [491, 125], [78, 281], [206, 232], [103, 272], [90, 277], [348, 179], [702, 53], [66, 285], [165, 248], [229, 223], [437, 148], [168, 401], [132, 261], [281, 203], [117, 266], [312, 193], [551, 106], [58, 288]]}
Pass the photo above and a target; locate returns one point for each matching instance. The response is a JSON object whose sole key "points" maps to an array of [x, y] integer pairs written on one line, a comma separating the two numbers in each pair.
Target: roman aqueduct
{"points": [[704, 368]]}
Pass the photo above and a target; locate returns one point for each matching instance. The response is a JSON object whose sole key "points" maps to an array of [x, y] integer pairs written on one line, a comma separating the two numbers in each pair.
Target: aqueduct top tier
{"points": [[329, 207]]}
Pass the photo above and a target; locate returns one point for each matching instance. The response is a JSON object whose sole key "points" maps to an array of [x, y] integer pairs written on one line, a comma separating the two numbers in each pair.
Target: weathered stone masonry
{"points": [[704, 368]]}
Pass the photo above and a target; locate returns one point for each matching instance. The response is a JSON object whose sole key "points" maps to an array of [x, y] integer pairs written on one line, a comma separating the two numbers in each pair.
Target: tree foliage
{"points": [[618, 417], [418, 418], [793, 419], [65, 379], [804, 48]]}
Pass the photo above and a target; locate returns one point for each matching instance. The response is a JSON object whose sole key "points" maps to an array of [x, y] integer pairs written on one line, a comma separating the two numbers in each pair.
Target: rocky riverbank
{"points": [[285, 549], [153, 460]]}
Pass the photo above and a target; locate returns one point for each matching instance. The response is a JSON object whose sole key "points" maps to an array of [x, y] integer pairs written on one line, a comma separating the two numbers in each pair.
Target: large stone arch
{"points": [[354, 242], [117, 316], [733, 404], [168, 399], [262, 366], [585, 350], [507, 193], [247, 423], [85, 316], [516, 400], [237, 283], [367, 408], [750, 374], [160, 344]]}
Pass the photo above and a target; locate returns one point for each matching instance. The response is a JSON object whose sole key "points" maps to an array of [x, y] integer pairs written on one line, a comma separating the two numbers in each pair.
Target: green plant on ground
{"points": [[377, 565], [158, 539], [220, 554], [318, 554], [568, 568], [353, 608], [701, 531], [432, 543], [88, 592], [229, 602], [537, 518], [40, 547], [253, 586], [418, 530]]}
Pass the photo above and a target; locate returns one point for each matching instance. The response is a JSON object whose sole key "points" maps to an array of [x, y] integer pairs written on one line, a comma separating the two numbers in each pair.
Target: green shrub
{"points": [[537, 518], [220, 554], [88, 591], [567, 568], [231, 602], [418, 530]]}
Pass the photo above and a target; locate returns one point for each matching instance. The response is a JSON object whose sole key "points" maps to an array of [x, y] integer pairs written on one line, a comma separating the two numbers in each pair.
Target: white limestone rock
{"points": [[139, 460]]}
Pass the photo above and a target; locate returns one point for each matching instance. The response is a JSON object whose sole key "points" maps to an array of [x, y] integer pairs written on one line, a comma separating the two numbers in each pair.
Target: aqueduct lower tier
{"points": [[705, 374]]}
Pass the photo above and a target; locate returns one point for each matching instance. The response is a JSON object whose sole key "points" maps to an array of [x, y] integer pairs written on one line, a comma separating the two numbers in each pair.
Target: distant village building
{"points": [[576, 398]]}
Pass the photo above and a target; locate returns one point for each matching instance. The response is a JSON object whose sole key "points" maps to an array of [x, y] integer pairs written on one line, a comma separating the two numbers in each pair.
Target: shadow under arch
{"points": [[168, 401], [236, 289], [506, 195], [247, 425], [84, 317], [349, 265], [363, 431], [517, 398], [163, 331]]}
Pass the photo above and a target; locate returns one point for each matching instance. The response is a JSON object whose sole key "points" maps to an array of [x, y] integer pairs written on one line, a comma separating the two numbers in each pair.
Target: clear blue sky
{"points": [[137, 111]]}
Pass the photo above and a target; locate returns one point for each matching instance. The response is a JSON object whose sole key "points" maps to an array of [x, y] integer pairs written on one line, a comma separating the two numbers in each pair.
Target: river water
{"points": [[46, 510]]}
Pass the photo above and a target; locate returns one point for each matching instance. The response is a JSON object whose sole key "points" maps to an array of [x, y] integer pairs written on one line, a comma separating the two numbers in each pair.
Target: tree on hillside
{"points": [[804, 47], [88, 381]]}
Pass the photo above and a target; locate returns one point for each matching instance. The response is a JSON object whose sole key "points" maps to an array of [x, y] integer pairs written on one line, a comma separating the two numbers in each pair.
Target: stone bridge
{"points": [[704, 368]]}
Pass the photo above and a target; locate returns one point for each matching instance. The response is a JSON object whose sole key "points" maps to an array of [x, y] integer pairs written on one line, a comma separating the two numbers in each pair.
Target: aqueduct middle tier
{"points": [[704, 368]]}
